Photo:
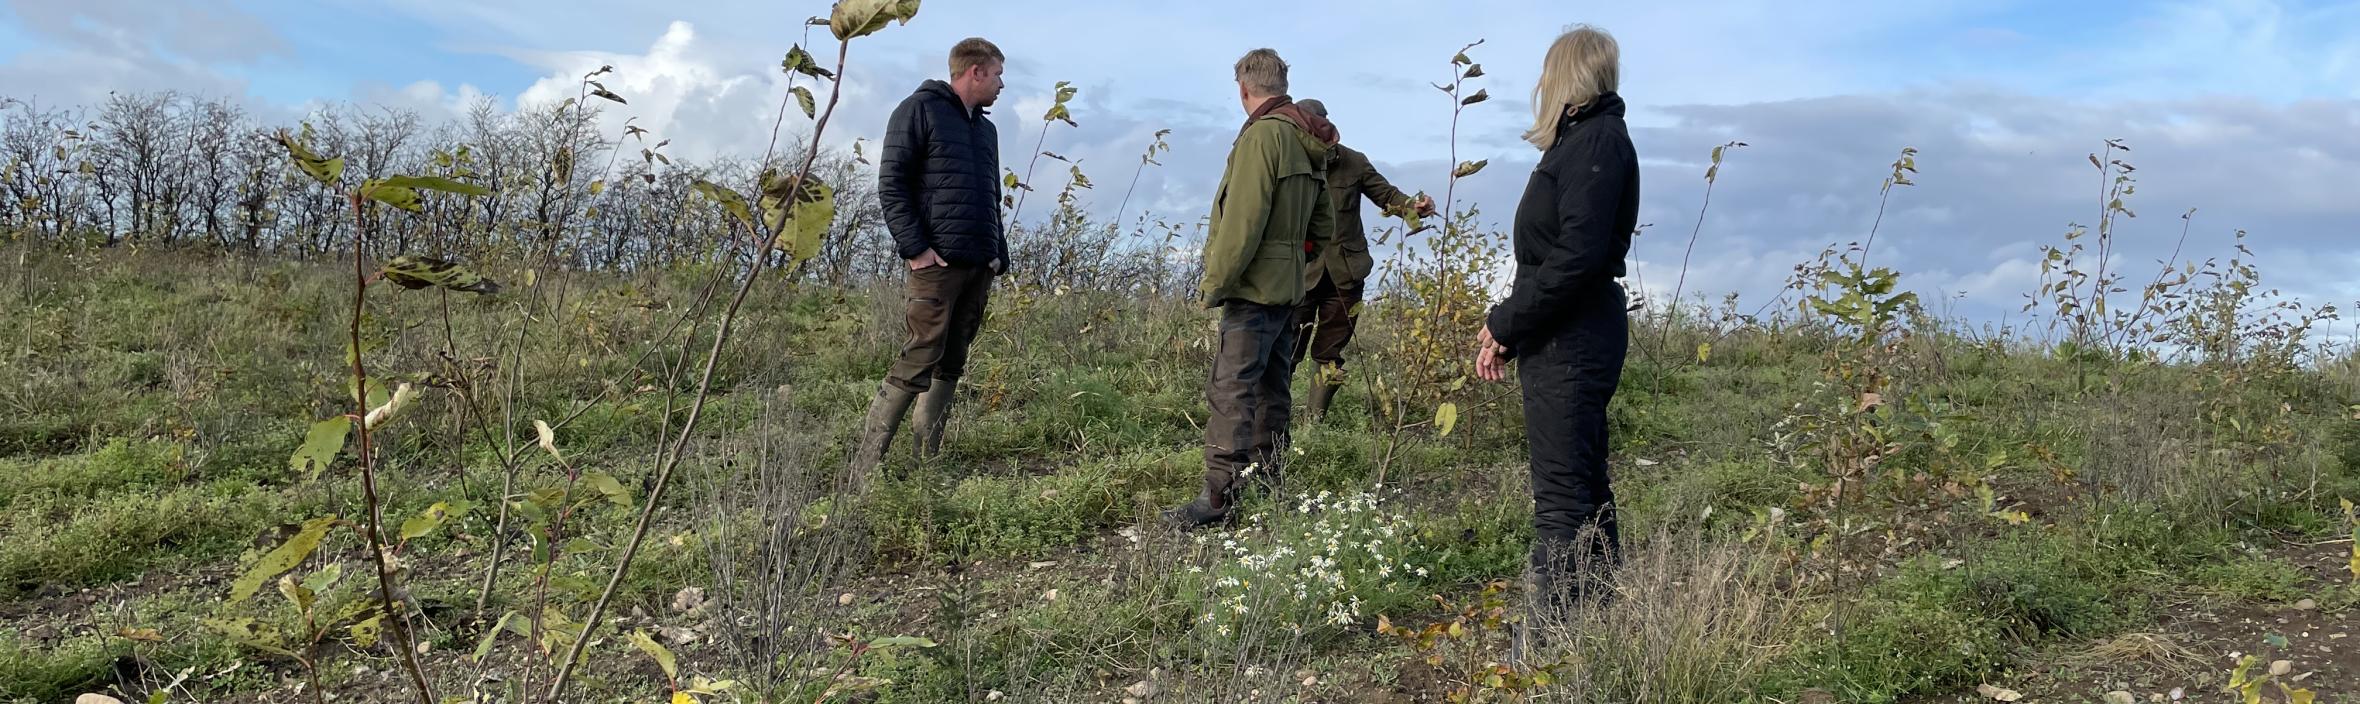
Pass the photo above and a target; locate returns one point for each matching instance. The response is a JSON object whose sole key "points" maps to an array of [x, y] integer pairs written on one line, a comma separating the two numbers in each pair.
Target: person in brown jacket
{"points": [[1336, 279]]}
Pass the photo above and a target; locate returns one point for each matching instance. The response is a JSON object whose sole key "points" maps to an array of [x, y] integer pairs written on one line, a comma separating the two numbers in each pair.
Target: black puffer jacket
{"points": [[938, 179], [1572, 230]]}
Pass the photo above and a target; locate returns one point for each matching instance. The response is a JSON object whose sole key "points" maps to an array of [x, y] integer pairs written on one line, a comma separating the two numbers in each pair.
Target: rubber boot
{"points": [[1210, 507], [884, 419], [1322, 394], [933, 410]]}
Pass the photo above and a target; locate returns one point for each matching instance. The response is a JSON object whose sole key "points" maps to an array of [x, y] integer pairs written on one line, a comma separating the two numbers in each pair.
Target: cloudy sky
{"points": [[2246, 110]]}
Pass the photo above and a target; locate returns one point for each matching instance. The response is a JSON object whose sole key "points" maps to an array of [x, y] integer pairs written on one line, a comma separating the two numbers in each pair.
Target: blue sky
{"points": [[2248, 110]]}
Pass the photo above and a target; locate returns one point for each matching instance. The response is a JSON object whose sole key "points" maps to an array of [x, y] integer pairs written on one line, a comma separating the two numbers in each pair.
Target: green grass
{"points": [[163, 398]]}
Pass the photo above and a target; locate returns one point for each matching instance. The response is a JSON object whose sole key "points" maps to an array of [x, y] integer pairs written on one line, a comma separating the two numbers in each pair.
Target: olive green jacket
{"points": [[1272, 201], [1350, 178]]}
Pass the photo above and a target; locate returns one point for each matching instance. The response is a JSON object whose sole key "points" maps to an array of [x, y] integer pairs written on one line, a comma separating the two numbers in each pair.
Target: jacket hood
{"points": [[1313, 133]]}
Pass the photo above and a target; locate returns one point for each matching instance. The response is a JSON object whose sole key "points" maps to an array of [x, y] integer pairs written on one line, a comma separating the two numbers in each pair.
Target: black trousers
{"points": [[1569, 378]]}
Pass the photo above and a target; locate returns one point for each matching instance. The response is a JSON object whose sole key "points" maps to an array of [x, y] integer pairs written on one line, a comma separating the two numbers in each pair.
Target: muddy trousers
{"points": [[1248, 396]]}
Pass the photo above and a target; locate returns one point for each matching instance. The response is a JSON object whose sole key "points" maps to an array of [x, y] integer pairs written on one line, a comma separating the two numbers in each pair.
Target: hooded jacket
{"points": [[938, 179], [1272, 210]]}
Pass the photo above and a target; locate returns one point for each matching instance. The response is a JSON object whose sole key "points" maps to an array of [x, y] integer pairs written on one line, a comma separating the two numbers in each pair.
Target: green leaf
{"points": [[415, 272], [1468, 168], [578, 546], [1445, 418], [396, 196], [320, 445], [803, 98], [283, 558], [902, 641], [425, 523], [320, 581], [727, 198], [656, 650], [800, 61], [321, 169], [484, 647], [250, 634], [436, 183], [605, 484]]}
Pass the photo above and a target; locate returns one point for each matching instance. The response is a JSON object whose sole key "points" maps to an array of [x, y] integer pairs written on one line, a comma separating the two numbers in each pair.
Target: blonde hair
{"points": [[1263, 73], [1583, 64], [972, 52]]}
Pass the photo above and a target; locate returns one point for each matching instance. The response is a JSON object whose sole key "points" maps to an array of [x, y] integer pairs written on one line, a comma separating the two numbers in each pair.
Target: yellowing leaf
{"points": [[548, 437], [364, 633], [402, 396], [803, 98], [1446, 418], [728, 199], [415, 272], [1468, 168], [1704, 352], [321, 169], [282, 558], [149, 635], [663, 657], [801, 221], [1998, 693], [683, 698]]}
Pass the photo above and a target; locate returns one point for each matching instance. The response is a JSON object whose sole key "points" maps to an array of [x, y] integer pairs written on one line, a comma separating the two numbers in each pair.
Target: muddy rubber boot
{"points": [[1210, 507], [933, 410], [885, 412], [1322, 394]]}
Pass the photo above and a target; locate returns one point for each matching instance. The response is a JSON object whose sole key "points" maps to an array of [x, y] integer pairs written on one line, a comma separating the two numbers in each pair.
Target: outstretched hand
{"points": [[1425, 206], [1491, 359]]}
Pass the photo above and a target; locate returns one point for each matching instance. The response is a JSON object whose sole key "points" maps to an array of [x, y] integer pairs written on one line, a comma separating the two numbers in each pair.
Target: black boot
{"points": [[1209, 508]]}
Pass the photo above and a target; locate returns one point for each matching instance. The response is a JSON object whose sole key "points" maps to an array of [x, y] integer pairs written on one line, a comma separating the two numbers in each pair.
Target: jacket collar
{"points": [[1607, 104], [942, 89]]}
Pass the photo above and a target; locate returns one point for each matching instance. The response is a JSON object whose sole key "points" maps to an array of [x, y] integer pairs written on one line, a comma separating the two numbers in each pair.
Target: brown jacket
{"points": [[1351, 178]]}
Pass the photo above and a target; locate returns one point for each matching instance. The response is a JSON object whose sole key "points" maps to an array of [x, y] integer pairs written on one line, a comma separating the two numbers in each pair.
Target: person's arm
{"points": [[1590, 184], [900, 167], [1321, 232], [1378, 190], [1244, 211]]}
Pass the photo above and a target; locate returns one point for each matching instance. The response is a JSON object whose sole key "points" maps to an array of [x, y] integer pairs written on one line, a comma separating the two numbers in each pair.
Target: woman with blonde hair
{"points": [[1564, 319]]}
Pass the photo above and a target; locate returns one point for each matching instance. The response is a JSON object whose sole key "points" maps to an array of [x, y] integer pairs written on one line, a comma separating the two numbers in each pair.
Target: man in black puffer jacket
{"points": [[938, 182]]}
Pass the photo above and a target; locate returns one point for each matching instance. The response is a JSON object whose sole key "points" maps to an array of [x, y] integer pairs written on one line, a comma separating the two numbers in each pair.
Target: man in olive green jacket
{"points": [[1335, 281], [1271, 212]]}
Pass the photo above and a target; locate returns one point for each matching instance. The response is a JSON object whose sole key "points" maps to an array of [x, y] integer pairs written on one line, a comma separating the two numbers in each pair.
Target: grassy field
{"points": [[1999, 514]]}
